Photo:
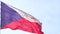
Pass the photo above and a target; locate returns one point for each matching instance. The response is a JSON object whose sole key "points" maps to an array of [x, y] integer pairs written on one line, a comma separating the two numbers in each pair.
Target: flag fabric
{"points": [[16, 19]]}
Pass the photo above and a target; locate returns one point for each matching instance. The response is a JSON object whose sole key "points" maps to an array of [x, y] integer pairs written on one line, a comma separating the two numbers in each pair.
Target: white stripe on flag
{"points": [[25, 15]]}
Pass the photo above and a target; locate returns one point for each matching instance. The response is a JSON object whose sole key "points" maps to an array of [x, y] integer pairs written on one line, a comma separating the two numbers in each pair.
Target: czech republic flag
{"points": [[16, 19]]}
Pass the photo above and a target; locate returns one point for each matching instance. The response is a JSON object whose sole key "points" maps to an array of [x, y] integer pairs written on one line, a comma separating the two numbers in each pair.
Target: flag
{"points": [[16, 19]]}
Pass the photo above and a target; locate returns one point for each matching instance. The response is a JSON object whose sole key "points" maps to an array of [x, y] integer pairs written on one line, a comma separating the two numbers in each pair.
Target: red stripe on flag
{"points": [[25, 25]]}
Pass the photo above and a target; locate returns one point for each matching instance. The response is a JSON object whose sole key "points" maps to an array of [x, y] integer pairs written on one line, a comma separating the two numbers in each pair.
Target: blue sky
{"points": [[47, 11]]}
